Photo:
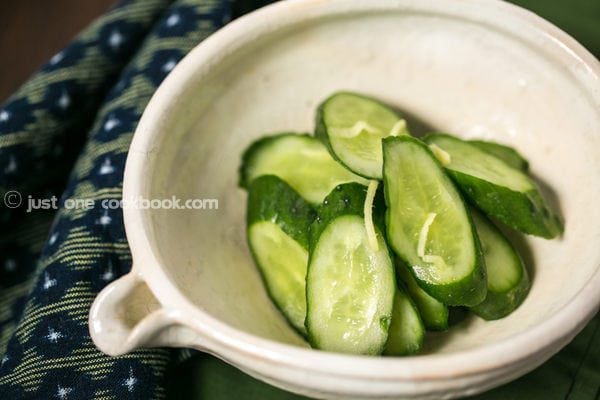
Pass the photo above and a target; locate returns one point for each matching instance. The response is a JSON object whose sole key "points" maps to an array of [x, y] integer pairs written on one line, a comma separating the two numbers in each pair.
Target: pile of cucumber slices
{"points": [[365, 235]]}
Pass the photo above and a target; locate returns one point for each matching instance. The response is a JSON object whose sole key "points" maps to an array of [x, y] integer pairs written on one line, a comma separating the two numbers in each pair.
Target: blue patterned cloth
{"points": [[64, 136]]}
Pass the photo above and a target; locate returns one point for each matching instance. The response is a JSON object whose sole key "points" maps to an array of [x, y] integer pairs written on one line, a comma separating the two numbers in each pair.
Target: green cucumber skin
{"points": [[322, 135], [346, 199], [398, 344], [469, 291], [524, 211], [272, 199], [503, 152], [433, 312], [321, 126], [520, 211], [499, 304]]}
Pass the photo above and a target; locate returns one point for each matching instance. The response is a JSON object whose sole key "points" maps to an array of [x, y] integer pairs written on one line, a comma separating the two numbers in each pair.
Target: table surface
{"points": [[31, 31]]}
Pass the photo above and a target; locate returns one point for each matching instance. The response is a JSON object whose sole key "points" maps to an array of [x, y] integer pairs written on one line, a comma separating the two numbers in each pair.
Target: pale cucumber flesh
{"points": [[470, 159], [428, 224], [505, 153], [282, 262], [507, 278], [352, 126], [500, 190], [302, 161], [350, 289]]}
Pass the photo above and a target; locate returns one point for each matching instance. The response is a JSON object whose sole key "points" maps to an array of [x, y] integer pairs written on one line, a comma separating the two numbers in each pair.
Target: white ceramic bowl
{"points": [[476, 68]]}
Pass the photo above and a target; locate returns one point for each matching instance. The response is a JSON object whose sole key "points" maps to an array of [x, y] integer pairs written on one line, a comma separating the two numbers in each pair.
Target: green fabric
{"points": [[208, 378], [572, 374], [579, 18]]}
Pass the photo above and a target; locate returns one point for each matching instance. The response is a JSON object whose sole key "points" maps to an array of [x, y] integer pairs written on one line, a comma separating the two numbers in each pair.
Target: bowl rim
{"points": [[231, 342]]}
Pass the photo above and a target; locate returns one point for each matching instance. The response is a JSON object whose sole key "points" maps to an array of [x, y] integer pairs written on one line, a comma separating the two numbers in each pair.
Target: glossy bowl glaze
{"points": [[476, 68]]}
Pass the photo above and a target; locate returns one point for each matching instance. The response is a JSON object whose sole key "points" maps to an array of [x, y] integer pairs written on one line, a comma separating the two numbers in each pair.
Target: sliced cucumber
{"points": [[352, 126], [506, 153], [300, 160], [433, 312], [498, 189], [507, 278], [428, 225], [349, 285], [278, 224], [406, 331]]}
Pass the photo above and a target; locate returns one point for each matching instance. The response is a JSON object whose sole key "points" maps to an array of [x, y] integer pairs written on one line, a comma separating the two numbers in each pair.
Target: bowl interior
{"points": [[461, 74]]}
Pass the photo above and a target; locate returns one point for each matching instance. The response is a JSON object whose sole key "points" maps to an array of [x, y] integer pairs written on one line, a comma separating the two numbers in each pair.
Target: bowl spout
{"points": [[126, 315]]}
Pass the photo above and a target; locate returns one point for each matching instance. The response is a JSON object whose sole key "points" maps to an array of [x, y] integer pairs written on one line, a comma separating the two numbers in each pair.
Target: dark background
{"points": [[31, 31]]}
